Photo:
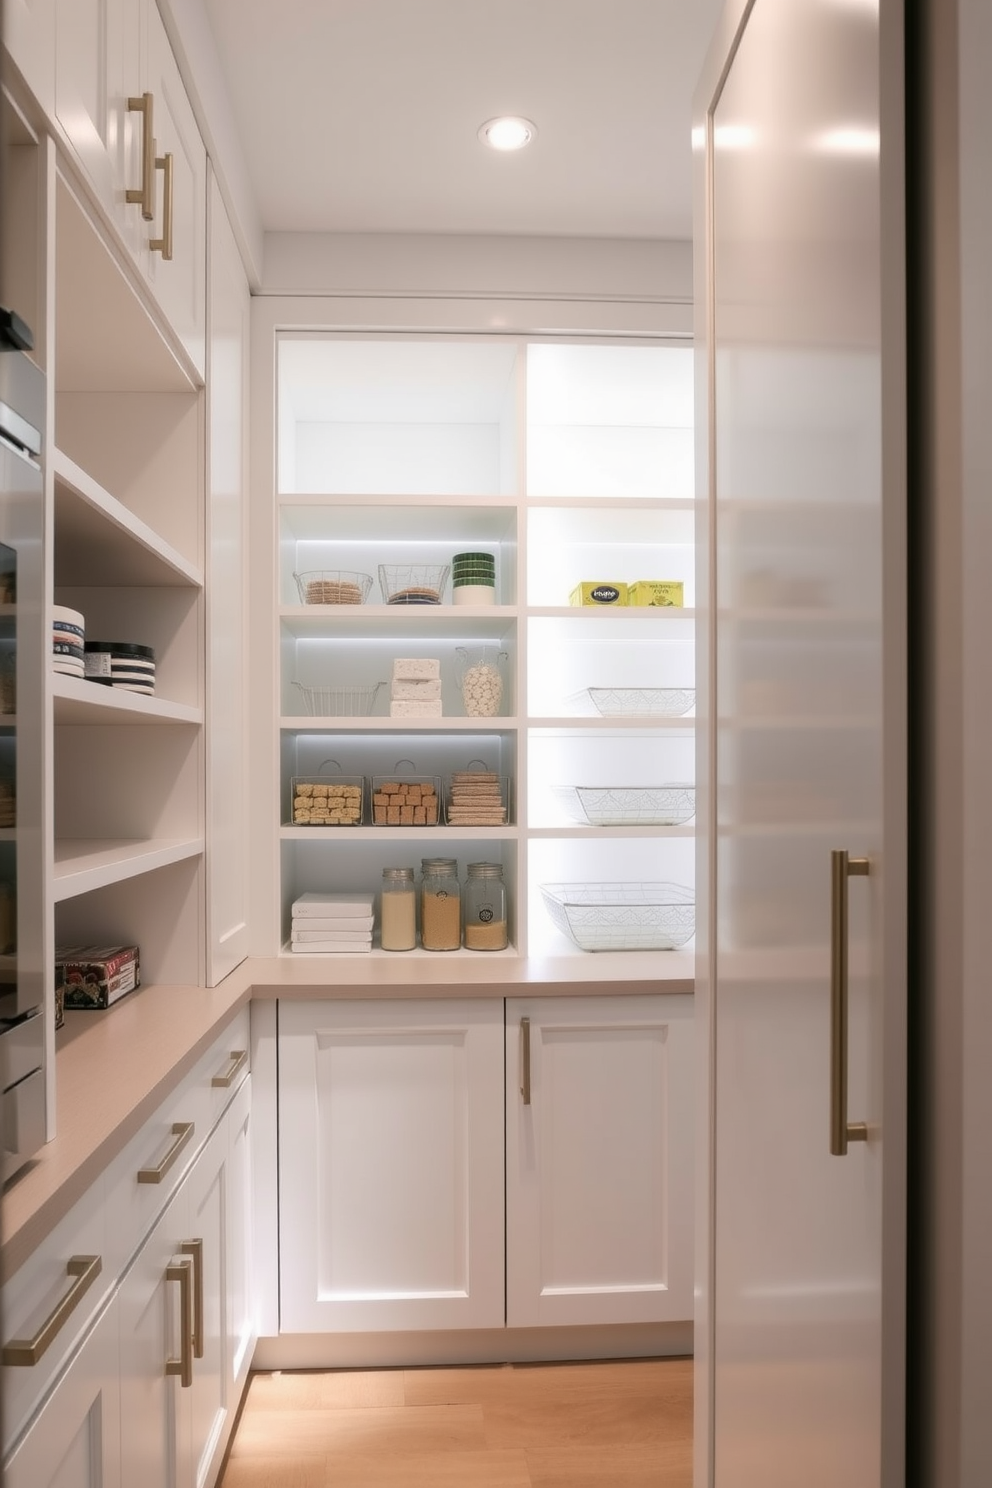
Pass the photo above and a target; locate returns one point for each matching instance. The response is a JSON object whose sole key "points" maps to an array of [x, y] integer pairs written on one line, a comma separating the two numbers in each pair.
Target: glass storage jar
{"points": [[440, 905], [484, 908], [398, 910]]}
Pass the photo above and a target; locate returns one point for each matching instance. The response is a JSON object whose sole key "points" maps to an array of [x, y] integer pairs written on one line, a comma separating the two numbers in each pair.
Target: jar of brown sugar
{"points": [[440, 905]]}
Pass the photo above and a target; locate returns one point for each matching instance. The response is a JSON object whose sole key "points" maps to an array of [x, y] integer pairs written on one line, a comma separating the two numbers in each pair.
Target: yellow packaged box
{"points": [[598, 594], [656, 592]]}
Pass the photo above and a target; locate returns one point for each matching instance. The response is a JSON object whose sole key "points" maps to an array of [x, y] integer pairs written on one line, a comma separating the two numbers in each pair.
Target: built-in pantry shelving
{"points": [[569, 462]]}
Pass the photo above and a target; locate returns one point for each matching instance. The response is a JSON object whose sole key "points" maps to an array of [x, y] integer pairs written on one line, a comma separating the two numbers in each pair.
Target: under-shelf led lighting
{"points": [[507, 133]]}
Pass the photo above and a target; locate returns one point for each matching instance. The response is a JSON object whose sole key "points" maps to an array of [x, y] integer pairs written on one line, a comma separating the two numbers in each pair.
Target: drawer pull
{"points": [[194, 1249], [85, 1269], [224, 1081], [144, 195], [181, 1271], [163, 244], [182, 1131], [525, 1060]]}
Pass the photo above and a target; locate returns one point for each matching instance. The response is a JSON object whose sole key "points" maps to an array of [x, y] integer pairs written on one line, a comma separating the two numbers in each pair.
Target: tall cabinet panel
{"points": [[803, 857], [226, 581]]}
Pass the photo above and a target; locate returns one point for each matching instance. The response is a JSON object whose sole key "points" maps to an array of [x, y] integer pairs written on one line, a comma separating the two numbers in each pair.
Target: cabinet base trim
{"points": [[487, 1346]]}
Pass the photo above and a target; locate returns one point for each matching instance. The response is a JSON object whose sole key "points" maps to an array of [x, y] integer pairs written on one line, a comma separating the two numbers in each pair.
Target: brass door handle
{"points": [[145, 193], [182, 1131], [224, 1081], [525, 1060], [163, 244], [842, 1131], [194, 1249], [181, 1271], [85, 1269]]}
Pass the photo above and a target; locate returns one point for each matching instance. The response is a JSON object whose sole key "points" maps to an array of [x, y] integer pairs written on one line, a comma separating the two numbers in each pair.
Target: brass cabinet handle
{"points": [[525, 1060], [145, 193], [182, 1131], [842, 1131], [163, 244], [181, 1271], [194, 1249], [239, 1058], [85, 1269]]}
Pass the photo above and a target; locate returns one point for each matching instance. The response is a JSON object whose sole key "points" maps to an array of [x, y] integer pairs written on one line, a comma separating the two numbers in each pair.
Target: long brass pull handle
{"points": [[163, 244], [145, 193], [239, 1058], [525, 1060], [182, 1131], [194, 1249], [181, 1271], [85, 1269], [842, 1131]]}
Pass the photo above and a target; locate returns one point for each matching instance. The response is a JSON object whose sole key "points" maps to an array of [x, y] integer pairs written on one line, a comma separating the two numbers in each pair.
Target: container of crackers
{"points": [[337, 586], [477, 798], [406, 800], [328, 800]]}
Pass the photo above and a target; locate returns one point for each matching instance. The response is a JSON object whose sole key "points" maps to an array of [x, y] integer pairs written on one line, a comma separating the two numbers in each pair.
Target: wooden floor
{"points": [[625, 1424]]}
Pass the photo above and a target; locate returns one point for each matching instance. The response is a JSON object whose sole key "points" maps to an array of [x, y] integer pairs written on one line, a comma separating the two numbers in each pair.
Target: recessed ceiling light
{"points": [[507, 133]]}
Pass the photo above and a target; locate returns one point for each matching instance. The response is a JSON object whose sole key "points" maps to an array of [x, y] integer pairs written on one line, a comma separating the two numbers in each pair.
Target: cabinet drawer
{"points": [[49, 1303], [144, 1177]]}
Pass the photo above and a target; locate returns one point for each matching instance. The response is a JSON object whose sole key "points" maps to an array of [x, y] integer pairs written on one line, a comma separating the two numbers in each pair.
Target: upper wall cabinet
{"points": [[29, 40], [120, 105]]}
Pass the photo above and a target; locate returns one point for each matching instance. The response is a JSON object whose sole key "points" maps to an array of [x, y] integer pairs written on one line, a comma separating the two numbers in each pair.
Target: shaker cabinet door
{"points": [[391, 1165], [599, 1194], [75, 1439]]}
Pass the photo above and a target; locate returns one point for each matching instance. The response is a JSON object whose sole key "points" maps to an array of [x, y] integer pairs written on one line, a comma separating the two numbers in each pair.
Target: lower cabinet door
{"points": [[74, 1441], [599, 1160], [209, 1397], [155, 1413], [391, 1165], [240, 1313]]}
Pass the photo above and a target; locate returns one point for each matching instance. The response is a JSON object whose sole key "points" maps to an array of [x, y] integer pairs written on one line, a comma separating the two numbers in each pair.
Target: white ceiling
{"points": [[360, 116]]}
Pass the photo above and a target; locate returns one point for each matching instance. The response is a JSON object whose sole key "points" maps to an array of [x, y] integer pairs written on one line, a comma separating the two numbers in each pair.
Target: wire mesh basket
{"points": [[628, 805], [631, 702], [339, 586], [338, 702], [622, 916], [413, 583]]}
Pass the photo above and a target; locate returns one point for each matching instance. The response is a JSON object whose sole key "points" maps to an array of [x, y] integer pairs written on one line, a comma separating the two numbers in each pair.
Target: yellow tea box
{"points": [[656, 592], [598, 594]]}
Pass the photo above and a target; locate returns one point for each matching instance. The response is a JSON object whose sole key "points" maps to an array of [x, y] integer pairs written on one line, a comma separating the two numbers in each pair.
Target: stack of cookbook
{"points": [[332, 923]]}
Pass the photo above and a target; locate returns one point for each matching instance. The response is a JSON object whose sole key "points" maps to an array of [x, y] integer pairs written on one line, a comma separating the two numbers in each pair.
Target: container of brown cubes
{"points": [[406, 800], [328, 801]]}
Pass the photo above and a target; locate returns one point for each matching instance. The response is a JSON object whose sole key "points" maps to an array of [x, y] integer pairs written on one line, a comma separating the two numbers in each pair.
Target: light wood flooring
{"points": [[625, 1424]]}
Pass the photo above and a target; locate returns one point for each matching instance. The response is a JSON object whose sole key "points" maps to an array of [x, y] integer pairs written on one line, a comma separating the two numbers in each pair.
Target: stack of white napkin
{"points": [[329, 923]]}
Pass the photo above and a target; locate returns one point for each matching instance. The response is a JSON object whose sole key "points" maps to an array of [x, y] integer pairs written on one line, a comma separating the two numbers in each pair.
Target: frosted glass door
{"points": [[807, 719]]}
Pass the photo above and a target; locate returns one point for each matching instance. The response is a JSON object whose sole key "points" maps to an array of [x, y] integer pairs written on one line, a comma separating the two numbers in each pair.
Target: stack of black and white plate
{"points": [[121, 664]]}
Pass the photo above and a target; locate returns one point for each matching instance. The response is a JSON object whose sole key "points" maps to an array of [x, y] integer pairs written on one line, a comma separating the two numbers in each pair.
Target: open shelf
{"points": [[76, 701], [85, 864]]}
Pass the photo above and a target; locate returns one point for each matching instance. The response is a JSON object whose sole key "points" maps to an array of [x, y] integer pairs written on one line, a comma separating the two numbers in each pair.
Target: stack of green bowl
{"points": [[473, 578]]}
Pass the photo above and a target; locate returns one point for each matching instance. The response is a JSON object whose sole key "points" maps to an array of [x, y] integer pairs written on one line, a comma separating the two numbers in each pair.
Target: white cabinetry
{"points": [[567, 462], [599, 1155], [173, 1424], [393, 1139], [391, 1165], [123, 112], [75, 1440], [149, 1240]]}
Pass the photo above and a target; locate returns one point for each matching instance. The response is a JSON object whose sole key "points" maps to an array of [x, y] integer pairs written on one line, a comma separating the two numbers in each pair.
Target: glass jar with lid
{"points": [[440, 905], [398, 910], [484, 908]]}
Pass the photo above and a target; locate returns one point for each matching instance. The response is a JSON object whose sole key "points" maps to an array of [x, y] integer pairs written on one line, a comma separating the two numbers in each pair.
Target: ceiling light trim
{"points": [[507, 133]]}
